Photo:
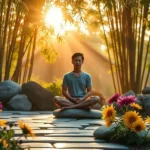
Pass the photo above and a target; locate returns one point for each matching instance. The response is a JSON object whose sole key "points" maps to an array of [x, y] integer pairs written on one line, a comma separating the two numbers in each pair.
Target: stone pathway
{"points": [[56, 134]]}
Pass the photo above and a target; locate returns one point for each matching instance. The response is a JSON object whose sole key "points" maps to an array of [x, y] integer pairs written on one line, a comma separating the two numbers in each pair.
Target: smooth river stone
{"points": [[78, 113]]}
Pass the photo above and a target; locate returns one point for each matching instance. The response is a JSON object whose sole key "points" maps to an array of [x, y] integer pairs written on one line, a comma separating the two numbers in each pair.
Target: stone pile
{"points": [[29, 96]]}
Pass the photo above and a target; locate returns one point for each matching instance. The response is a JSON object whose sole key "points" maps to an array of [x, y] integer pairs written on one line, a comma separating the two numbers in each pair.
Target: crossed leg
{"points": [[66, 104]]}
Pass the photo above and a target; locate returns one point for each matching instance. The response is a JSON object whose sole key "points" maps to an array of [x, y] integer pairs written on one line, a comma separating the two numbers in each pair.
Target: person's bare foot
{"points": [[64, 108]]}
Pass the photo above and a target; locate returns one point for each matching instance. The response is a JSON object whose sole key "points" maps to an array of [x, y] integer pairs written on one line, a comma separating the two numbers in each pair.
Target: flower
{"points": [[3, 123], [108, 122], [126, 100], [26, 129], [4, 142], [137, 106], [138, 126], [147, 120], [1, 106], [114, 98], [109, 113], [130, 117]]}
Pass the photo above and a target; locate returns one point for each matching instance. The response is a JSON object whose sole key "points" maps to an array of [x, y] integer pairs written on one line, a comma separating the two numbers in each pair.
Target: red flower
{"points": [[126, 100], [114, 98]]}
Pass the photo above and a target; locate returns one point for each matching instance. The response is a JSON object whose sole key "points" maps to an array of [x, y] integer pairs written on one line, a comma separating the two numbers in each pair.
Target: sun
{"points": [[54, 18]]}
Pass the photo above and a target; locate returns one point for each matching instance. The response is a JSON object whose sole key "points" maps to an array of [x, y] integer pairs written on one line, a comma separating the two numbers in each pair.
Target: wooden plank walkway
{"points": [[55, 134]]}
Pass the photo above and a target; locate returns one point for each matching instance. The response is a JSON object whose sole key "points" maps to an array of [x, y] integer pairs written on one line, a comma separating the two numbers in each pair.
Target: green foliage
{"points": [[56, 87], [124, 135], [7, 140]]}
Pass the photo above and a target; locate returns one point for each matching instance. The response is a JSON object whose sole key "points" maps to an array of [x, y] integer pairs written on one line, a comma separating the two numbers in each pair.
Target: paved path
{"points": [[56, 134]]}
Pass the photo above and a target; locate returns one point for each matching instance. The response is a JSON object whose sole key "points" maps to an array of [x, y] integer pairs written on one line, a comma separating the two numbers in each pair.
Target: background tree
{"points": [[125, 26], [23, 30]]}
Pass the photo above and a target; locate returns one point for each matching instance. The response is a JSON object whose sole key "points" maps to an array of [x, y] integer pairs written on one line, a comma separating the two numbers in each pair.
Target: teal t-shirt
{"points": [[77, 85]]}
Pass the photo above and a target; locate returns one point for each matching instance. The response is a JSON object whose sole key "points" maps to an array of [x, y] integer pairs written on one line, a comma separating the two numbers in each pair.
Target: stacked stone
{"points": [[29, 96]]}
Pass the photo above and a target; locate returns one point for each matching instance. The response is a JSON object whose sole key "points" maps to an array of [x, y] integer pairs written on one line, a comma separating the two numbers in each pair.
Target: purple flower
{"points": [[126, 100], [1, 106], [114, 98]]}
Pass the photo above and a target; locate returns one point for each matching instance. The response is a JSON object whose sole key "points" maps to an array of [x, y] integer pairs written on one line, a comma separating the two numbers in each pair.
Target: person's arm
{"points": [[89, 91], [88, 87], [66, 94]]}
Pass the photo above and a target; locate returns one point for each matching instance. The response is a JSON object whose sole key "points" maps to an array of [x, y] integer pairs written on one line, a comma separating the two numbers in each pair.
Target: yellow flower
{"points": [[130, 117], [137, 106], [138, 126], [4, 143], [109, 113], [147, 120], [3, 123], [108, 122], [26, 129]]}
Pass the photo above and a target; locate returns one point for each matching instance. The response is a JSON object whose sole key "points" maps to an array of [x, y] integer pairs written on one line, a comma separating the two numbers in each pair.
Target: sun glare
{"points": [[54, 18]]}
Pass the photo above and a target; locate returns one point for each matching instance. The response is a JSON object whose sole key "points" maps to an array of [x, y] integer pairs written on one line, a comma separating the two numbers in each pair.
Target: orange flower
{"points": [[130, 117], [26, 129], [3, 123], [138, 126], [109, 113], [137, 106]]}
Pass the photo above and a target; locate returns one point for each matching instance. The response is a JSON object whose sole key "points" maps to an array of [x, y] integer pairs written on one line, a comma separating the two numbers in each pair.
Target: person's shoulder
{"points": [[86, 74], [67, 74]]}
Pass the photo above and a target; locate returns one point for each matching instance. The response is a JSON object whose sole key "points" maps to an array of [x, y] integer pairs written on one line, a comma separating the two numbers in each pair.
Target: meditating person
{"points": [[76, 87]]}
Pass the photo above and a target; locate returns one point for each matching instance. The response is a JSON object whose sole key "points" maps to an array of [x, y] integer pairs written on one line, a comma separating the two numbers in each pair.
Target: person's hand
{"points": [[79, 100], [74, 100]]}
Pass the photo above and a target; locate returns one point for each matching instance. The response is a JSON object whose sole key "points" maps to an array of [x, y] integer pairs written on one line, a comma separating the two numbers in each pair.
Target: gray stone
{"points": [[20, 102], [8, 89], [89, 121], [146, 90], [104, 132], [36, 145], [55, 131], [39, 125], [67, 125], [129, 93], [41, 98], [140, 97], [78, 113], [106, 146], [86, 134], [146, 104], [92, 128], [61, 139]]}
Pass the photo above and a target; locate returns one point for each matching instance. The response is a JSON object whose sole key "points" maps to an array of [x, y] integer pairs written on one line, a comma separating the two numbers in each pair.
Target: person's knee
{"points": [[56, 99], [96, 99]]}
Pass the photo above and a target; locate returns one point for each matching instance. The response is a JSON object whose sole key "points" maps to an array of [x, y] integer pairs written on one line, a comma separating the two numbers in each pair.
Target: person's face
{"points": [[77, 62]]}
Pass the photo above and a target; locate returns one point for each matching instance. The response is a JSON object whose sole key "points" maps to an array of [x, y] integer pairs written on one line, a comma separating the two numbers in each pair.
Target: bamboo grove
{"points": [[20, 27], [127, 41]]}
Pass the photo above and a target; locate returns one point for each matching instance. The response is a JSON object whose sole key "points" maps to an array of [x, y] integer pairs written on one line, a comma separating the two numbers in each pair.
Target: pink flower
{"points": [[1, 106], [114, 98], [126, 100]]}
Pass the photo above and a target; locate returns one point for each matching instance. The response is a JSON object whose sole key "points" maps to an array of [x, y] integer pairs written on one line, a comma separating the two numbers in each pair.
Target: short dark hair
{"points": [[77, 54]]}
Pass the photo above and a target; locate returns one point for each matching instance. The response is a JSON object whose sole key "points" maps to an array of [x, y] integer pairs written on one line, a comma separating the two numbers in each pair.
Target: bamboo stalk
{"points": [[4, 38], [114, 48], [145, 61], [32, 56], [110, 63], [139, 69], [12, 46]]}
